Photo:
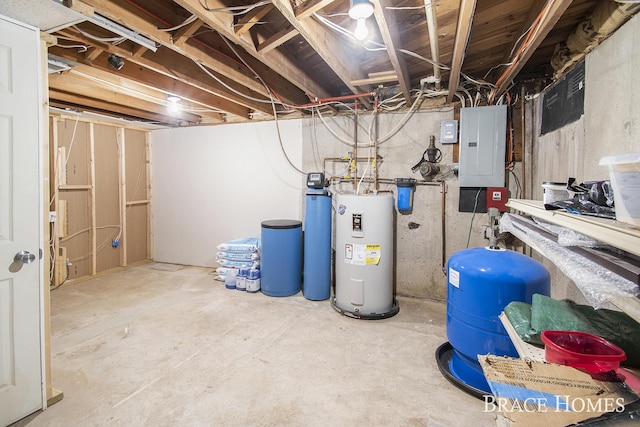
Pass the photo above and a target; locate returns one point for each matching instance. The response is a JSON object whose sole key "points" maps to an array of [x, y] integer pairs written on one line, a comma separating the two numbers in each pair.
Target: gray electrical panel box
{"points": [[482, 146]]}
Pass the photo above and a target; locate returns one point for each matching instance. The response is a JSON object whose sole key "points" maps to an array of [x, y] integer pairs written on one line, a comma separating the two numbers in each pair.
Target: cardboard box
{"points": [[624, 175], [529, 393]]}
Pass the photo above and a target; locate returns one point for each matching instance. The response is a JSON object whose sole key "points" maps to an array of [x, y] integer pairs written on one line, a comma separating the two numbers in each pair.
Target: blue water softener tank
{"points": [[281, 257], [317, 245], [481, 282]]}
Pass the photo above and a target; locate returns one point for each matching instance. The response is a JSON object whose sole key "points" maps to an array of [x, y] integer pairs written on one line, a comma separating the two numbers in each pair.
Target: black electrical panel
{"points": [[471, 197]]}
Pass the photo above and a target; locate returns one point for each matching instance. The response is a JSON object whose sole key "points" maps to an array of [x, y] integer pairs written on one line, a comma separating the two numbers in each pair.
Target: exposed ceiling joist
{"points": [[234, 61], [390, 35], [463, 30], [333, 51], [186, 72], [277, 39], [545, 21], [273, 59], [198, 53], [246, 22], [309, 7]]}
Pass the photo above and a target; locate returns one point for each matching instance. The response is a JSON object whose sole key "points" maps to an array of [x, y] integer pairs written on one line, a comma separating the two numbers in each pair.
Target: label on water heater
{"points": [[454, 277], [362, 254], [372, 254]]}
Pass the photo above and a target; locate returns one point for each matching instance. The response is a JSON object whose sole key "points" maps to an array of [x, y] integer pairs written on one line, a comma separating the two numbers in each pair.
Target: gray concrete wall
{"points": [[609, 126]]}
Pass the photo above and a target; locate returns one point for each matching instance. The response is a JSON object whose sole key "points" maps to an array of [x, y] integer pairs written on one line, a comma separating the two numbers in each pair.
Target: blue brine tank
{"points": [[481, 282]]}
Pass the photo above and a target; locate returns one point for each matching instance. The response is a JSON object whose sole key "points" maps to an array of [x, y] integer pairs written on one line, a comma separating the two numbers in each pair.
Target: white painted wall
{"points": [[213, 184]]}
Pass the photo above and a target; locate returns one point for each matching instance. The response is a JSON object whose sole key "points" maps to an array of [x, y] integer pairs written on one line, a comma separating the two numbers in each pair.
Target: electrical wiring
{"points": [[518, 186], [84, 230], [366, 170], [187, 21], [273, 105], [405, 119], [232, 9], [82, 47], [216, 78], [404, 7], [100, 39], [338, 137], [531, 33]]}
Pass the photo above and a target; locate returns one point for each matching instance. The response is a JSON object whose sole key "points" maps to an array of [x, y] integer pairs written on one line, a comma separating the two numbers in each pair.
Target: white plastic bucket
{"points": [[554, 192]]}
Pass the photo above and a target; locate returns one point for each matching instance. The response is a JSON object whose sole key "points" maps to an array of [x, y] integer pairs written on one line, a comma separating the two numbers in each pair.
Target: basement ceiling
{"points": [[237, 61]]}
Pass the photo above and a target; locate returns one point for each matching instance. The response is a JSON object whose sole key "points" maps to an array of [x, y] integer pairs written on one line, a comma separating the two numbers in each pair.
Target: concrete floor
{"points": [[160, 345]]}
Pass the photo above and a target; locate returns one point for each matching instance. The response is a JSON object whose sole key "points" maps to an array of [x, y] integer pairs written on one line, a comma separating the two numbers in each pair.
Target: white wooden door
{"points": [[21, 371]]}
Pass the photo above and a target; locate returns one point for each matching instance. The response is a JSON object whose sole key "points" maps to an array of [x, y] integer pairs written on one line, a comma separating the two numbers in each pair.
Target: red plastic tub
{"points": [[581, 350]]}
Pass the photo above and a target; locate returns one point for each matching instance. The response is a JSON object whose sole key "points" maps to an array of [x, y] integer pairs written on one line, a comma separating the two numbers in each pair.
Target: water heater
{"points": [[364, 256]]}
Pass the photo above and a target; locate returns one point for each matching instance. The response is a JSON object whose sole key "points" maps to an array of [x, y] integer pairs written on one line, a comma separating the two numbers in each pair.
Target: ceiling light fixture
{"points": [[115, 61], [174, 107], [360, 10]]}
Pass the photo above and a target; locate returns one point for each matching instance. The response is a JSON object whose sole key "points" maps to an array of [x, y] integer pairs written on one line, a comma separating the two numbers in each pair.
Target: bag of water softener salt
{"points": [[250, 244], [238, 256], [238, 264]]}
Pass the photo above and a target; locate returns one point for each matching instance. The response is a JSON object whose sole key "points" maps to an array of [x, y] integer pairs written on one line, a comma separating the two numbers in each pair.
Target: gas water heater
{"points": [[364, 256]]}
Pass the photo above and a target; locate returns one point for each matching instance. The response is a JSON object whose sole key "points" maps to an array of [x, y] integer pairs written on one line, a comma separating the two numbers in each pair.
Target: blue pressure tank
{"points": [[281, 257], [481, 282], [317, 245]]}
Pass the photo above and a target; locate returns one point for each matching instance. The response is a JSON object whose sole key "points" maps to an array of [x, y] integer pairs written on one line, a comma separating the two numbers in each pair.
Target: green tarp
{"points": [[546, 313]]}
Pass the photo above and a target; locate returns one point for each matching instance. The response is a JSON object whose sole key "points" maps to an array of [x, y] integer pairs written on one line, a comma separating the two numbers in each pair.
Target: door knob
{"points": [[24, 257]]}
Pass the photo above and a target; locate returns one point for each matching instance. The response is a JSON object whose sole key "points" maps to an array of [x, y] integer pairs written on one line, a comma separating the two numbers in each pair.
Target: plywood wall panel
{"points": [[136, 165], [74, 136], [78, 241], [95, 154], [107, 200], [136, 233]]}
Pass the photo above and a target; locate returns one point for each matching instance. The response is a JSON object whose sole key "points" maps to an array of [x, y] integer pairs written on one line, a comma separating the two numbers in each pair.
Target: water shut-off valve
{"points": [[428, 165]]}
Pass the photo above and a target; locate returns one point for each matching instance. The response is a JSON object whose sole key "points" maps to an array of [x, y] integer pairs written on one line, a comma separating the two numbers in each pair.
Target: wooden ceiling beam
{"points": [[388, 27], [377, 78], [92, 53], [186, 32], [185, 72], [546, 20], [249, 19], [463, 30], [105, 100], [222, 23], [138, 78], [309, 7], [277, 39], [222, 66]]}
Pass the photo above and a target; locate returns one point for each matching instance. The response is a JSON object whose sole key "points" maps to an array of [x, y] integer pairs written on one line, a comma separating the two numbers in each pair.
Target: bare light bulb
{"points": [[361, 32], [174, 107]]}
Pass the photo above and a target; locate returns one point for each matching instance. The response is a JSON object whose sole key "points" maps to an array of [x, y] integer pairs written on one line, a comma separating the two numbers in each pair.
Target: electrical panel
{"points": [[482, 146]]}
